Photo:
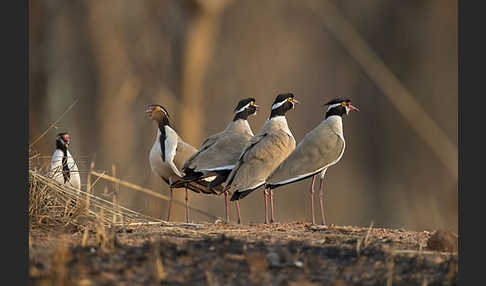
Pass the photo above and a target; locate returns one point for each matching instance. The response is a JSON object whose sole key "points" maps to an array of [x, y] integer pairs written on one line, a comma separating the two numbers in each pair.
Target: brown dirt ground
{"points": [[227, 254]]}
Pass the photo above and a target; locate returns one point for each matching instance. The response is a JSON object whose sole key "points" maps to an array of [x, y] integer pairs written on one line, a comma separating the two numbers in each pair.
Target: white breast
{"points": [[336, 124], [281, 122], [246, 127], [158, 166], [56, 169]]}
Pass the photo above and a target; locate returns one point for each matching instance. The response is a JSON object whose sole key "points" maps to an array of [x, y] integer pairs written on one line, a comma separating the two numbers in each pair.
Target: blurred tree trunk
{"points": [[37, 76], [201, 37], [118, 86]]}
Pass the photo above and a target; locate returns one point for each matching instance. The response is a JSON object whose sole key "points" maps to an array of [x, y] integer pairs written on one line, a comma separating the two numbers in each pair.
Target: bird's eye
{"points": [[343, 103], [289, 99], [251, 102], [158, 108]]}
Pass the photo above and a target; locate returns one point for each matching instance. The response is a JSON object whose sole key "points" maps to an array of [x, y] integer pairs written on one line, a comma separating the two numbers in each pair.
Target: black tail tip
{"points": [[220, 179], [190, 176], [235, 196], [178, 184], [240, 195]]}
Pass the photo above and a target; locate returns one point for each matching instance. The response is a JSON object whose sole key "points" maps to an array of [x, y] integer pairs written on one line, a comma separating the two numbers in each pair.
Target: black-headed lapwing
{"points": [[263, 152], [220, 152], [321, 148], [63, 167], [169, 153]]}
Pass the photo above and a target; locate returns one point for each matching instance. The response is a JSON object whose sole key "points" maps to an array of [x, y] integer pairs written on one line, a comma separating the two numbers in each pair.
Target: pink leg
{"points": [[226, 206], [237, 204], [311, 193], [320, 201], [272, 218], [170, 203], [265, 198], [187, 206]]}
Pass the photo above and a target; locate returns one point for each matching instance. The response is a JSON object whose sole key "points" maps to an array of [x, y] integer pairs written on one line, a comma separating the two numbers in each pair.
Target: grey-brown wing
{"points": [[223, 154], [249, 146], [210, 141], [183, 152], [319, 149], [259, 161]]}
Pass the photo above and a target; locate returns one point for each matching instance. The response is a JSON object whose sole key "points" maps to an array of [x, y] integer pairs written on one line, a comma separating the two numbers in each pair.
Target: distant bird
{"points": [[169, 153], [263, 153], [321, 148], [63, 168], [220, 152]]}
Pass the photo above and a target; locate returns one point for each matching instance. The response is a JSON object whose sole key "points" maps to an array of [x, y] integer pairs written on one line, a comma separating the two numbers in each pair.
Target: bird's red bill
{"points": [[352, 107]]}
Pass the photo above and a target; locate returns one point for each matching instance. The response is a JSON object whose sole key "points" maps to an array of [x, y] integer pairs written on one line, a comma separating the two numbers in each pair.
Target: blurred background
{"points": [[396, 61]]}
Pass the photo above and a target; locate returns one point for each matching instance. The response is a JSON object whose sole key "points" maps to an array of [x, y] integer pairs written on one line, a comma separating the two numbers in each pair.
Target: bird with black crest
{"points": [[321, 148], [220, 152], [263, 152]]}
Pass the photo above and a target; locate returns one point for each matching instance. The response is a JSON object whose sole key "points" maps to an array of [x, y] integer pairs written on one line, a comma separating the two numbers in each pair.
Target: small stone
{"points": [[299, 264], [273, 259], [443, 240]]}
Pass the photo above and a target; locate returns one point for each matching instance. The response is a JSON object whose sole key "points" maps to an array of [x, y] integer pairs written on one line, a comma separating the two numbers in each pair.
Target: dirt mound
{"points": [[256, 254]]}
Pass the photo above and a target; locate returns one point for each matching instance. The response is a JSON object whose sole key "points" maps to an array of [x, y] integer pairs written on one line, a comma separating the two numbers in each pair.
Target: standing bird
{"points": [[220, 152], [321, 148], [169, 153], [63, 168], [263, 153]]}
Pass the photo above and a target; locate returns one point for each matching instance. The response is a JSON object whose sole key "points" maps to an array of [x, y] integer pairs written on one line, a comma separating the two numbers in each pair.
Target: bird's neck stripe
{"points": [[333, 105], [243, 108], [278, 104]]}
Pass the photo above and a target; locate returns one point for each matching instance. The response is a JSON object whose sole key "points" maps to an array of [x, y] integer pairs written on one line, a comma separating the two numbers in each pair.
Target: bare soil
{"points": [[229, 254]]}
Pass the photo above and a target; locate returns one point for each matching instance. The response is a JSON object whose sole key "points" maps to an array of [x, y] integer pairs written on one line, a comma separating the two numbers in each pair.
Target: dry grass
{"points": [[52, 204]]}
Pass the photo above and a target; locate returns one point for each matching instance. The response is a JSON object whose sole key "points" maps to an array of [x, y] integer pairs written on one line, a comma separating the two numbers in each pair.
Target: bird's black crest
{"points": [[244, 102], [282, 97], [337, 100]]}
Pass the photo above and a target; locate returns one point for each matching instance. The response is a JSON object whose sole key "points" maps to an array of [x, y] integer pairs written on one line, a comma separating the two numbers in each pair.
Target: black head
{"points": [[339, 106], [158, 113], [283, 103], [62, 141], [245, 108]]}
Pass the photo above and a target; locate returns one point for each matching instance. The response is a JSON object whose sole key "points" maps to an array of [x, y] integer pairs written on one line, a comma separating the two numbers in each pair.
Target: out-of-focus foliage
{"points": [[198, 58]]}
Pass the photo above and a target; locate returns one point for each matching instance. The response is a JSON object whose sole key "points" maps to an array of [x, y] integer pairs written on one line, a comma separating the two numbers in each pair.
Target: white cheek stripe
{"points": [[333, 105], [338, 104], [278, 104], [243, 108]]}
